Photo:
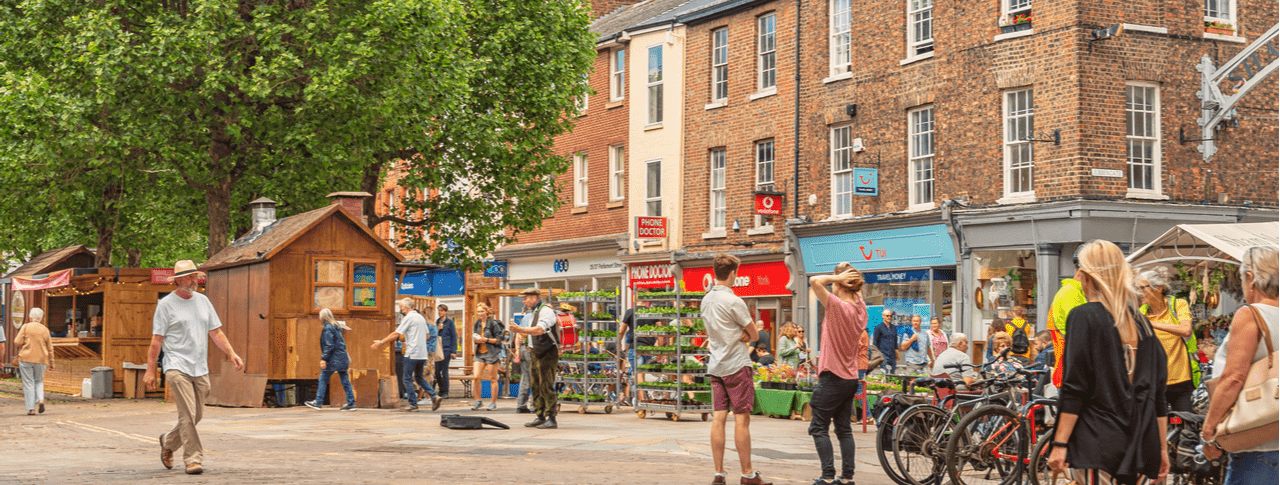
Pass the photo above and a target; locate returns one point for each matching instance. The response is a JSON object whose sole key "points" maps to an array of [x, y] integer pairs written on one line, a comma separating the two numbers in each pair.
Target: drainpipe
{"points": [[795, 140], [959, 324]]}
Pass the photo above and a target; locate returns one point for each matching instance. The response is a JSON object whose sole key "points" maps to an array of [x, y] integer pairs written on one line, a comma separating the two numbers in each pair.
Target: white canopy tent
{"points": [[1206, 243]]}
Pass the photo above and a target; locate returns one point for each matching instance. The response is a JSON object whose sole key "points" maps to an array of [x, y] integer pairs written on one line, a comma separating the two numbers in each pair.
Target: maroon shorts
{"points": [[735, 391]]}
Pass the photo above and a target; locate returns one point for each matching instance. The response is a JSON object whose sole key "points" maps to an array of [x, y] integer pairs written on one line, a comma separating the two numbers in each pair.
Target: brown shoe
{"points": [[166, 456], [717, 480], [196, 469], [435, 403], [756, 480]]}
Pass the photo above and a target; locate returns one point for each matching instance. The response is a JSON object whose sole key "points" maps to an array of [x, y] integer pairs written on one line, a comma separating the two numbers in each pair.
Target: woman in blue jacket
{"points": [[333, 358]]}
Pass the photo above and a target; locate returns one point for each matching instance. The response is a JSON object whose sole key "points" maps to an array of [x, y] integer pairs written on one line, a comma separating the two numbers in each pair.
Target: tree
{"points": [[293, 99]]}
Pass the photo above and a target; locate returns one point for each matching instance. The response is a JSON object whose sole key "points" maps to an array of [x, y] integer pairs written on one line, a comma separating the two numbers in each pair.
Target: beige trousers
{"points": [[189, 394]]}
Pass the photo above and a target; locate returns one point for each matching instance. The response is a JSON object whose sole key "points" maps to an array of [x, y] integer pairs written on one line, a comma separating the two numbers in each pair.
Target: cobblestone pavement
{"points": [[115, 441]]}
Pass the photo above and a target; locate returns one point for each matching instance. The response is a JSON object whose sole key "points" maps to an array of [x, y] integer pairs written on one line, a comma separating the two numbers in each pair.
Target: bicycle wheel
{"points": [[1039, 465], [916, 448], [988, 447], [884, 446]]}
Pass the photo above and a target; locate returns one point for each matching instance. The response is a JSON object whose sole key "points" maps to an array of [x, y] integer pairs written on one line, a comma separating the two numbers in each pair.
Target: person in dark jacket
{"points": [[449, 339], [333, 359], [885, 339], [1112, 419]]}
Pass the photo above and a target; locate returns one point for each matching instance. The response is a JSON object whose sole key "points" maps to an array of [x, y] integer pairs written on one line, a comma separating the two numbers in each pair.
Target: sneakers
{"points": [[166, 456], [493, 406], [435, 403], [411, 409], [549, 423], [477, 406], [349, 407], [194, 469], [312, 404], [755, 479], [523, 410], [535, 423]]}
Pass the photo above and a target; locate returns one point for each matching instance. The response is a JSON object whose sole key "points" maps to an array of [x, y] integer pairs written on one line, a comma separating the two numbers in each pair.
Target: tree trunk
{"points": [[135, 258], [106, 225], [369, 183], [218, 202], [106, 235]]}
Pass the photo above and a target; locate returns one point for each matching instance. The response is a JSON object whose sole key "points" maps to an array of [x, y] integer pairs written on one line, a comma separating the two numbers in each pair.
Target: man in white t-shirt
{"points": [[419, 343], [183, 324], [955, 355]]}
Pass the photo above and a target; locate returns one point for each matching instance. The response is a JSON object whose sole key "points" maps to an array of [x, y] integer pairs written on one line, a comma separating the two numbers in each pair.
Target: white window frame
{"points": [[1231, 17], [920, 157], [617, 172], [767, 52], [718, 201], [580, 172], [766, 162], [653, 189], [841, 149], [840, 36], [1151, 135], [586, 97], [618, 75], [1010, 7], [919, 16], [720, 65], [1013, 142], [653, 107]]}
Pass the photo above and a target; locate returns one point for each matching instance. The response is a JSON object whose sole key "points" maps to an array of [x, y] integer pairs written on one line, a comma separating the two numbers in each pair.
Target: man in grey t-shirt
{"points": [[183, 324], [956, 354], [419, 343]]}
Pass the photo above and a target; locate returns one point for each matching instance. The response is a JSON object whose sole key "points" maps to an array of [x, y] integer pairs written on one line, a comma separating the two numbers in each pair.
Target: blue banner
{"points": [[897, 276], [495, 269], [876, 250], [442, 282]]}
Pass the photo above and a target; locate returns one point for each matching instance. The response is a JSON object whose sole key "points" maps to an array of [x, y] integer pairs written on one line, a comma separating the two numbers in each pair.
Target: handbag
{"points": [[1252, 420]]}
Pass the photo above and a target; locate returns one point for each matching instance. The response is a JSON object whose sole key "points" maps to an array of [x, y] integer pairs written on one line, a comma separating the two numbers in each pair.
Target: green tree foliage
{"points": [[126, 115]]}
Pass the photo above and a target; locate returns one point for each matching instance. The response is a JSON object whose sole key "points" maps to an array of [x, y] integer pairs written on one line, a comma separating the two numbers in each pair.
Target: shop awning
{"points": [[1214, 243], [42, 282]]}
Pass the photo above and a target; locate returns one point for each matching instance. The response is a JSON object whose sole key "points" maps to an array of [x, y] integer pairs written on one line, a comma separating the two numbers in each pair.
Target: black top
{"points": [[629, 318], [1117, 430]]}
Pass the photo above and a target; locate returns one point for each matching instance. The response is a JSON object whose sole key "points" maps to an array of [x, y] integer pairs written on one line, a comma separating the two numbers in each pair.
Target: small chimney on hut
{"points": [[352, 202], [263, 211]]}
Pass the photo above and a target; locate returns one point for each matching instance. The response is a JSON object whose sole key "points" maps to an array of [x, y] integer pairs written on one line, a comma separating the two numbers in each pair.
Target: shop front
{"points": [[762, 285], [588, 264], [448, 287]]}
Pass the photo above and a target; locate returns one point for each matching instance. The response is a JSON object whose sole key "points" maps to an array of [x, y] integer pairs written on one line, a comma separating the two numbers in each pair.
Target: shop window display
{"points": [[1002, 280]]}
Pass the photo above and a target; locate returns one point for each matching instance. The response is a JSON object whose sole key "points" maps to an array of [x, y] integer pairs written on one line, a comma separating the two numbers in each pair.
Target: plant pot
{"points": [[1008, 29], [788, 386], [1219, 31]]}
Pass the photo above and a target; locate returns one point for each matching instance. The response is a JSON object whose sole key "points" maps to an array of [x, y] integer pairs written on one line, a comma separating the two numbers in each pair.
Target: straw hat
{"points": [[184, 268]]}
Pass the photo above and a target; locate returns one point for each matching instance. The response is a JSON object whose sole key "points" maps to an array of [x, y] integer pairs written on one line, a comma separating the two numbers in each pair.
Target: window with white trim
{"points": [[1015, 6], [1019, 125], [920, 156], [1220, 14], [580, 179], [617, 172], [653, 188], [586, 96], [1142, 136], [718, 200], [654, 85], [767, 51], [719, 65], [841, 171], [919, 27], [764, 172], [841, 23], [618, 76]]}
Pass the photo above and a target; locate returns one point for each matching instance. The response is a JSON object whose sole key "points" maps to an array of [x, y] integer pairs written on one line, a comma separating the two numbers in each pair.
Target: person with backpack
{"points": [[544, 330], [1020, 332], [1171, 319]]}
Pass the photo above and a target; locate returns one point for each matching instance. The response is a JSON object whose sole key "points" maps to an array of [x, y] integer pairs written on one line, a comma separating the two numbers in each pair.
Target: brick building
{"points": [[936, 100]]}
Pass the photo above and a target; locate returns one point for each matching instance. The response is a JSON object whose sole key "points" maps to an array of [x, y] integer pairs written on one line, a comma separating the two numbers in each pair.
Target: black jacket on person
{"points": [[1117, 430]]}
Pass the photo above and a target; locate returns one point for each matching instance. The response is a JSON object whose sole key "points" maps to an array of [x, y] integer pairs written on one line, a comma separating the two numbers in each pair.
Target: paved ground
{"points": [[115, 441]]}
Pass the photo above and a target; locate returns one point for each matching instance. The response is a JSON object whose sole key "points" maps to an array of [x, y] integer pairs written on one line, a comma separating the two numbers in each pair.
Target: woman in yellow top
{"points": [[1155, 290], [35, 354], [1019, 323]]}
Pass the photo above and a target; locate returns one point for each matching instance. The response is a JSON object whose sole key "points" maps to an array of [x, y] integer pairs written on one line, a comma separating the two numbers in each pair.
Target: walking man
{"points": [[419, 343], [449, 339], [545, 352], [730, 332], [842, 356], [885, 339], [183, 324]]}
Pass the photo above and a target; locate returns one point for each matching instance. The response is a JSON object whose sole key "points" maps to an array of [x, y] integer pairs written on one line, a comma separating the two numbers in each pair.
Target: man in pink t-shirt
{"points": [[841, 356]]}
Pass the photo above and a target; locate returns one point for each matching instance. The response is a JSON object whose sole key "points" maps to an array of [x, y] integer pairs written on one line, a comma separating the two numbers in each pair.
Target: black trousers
{"points": [[832, 403], [442, 375], [1179, 396]]}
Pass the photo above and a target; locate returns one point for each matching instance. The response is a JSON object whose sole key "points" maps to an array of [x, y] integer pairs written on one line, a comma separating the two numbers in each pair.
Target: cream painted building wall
{"points": [[662, 141]]}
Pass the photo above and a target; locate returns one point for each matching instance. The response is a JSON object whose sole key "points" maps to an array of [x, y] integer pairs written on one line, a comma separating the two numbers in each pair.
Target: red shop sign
{"points": [[754, 279], [768, 204], [650, 275], [651, 227]]}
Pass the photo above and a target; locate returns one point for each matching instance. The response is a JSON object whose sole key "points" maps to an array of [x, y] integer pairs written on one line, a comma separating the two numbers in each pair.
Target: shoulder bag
{"points": [[1252, 420]]}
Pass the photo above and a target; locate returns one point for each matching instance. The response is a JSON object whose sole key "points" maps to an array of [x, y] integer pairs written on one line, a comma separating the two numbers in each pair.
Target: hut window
{"points": [[330, 285], [364, 285]]}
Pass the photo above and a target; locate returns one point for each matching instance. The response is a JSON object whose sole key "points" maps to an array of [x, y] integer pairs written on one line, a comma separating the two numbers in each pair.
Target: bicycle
{"points": [[996, 440], [920, 432]]}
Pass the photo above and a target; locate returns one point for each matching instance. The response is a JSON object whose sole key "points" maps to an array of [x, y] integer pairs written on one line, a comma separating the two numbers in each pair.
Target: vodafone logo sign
{"points": [[769, 204], [754, 279], [707, 282]]}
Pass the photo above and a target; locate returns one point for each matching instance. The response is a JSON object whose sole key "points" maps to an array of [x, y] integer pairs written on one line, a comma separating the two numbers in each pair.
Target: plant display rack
{"points": [[671, 397], [596, 327]]}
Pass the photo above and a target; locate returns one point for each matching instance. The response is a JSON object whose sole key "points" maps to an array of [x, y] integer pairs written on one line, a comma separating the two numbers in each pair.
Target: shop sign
{"points": [[160, 276], [866, 181], [769, 204], [495, 269], [651, 227], [897, 276], [650, 275], [52, 280], [754, 279], [561, 266], [874, 250]]}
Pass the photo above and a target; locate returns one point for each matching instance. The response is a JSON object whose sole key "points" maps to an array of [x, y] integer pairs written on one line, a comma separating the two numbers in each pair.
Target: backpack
{"points": [[1020, 342]]}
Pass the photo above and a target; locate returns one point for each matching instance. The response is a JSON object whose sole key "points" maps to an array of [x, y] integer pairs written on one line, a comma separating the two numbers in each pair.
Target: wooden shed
{"points": [[269, 286]]}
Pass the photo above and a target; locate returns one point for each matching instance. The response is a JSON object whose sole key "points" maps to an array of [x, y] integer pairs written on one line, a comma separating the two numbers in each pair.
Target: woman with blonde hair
{"points": [[1237, 353], [487, 335], [788, 346], [333, 358], [1112, 417], [34, 354]]}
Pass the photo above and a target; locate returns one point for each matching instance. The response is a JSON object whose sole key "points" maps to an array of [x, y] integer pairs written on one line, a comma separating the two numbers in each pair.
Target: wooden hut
{"points": [[269, 286]]}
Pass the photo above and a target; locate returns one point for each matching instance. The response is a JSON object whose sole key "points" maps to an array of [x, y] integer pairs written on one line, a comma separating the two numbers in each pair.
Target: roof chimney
{"points": [[352, 202], [263, 211]]}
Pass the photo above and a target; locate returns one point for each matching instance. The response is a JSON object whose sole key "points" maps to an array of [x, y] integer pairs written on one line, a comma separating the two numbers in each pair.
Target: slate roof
{"points": [[46, 260], [647, 14], [259, 246]]}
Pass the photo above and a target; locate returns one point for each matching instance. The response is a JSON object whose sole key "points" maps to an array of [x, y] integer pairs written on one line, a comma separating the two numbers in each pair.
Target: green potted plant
{"points": [[1219, 28]]}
